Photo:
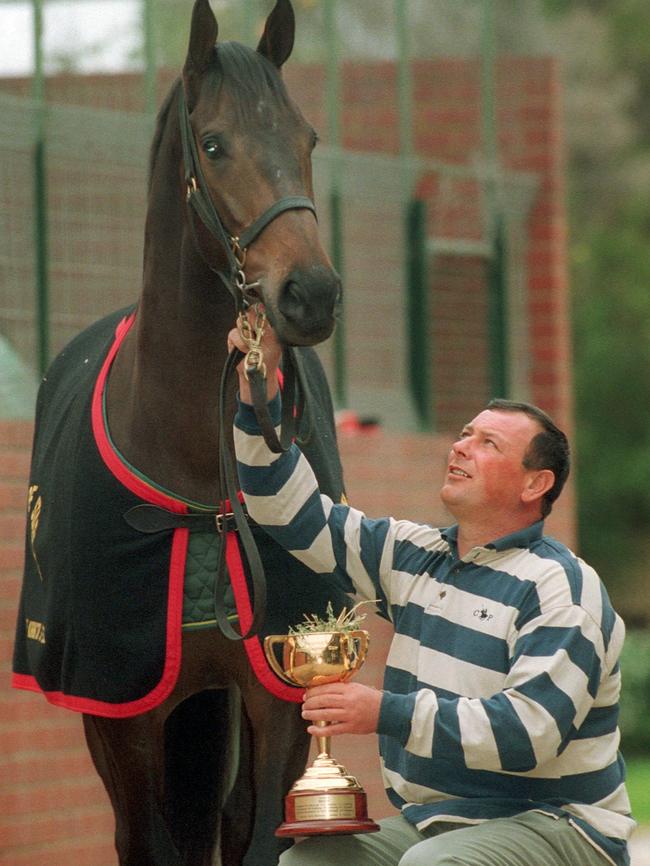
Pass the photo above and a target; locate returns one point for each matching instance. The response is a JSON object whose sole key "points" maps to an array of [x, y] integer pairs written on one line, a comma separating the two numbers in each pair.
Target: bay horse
{"points": [[197, 754]]}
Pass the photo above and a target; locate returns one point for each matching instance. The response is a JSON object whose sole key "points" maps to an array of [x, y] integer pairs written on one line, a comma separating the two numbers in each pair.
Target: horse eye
{"points": [[314, 138], [212, 148]]}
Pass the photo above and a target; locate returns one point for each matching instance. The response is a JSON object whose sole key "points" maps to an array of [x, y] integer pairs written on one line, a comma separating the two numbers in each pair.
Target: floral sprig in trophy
{"points": [[326, 800]]}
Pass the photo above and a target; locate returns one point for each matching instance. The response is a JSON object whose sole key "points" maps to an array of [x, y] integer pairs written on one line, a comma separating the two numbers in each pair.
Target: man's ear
{"points": [[538, 483]]}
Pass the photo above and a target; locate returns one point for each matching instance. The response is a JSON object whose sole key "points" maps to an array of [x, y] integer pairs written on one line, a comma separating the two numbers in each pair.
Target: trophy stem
{"points": [[324, 742]]}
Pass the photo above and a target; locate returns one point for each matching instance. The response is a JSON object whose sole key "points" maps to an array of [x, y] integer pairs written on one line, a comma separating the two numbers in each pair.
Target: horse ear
{"points": [[279, 31], [203, 37]]}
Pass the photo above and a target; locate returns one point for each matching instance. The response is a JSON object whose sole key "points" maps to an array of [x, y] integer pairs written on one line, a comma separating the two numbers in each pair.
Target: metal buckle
{"points": [[252, 334], [220, 518], [238, 251]]}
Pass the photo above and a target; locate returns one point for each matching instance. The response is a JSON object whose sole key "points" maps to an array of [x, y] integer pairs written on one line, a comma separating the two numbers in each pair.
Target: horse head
{"points": [[253, 148]]}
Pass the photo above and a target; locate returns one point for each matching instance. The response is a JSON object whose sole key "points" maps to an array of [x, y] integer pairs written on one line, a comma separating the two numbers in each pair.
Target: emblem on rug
{"points": [[34, 508], [35, 630]]}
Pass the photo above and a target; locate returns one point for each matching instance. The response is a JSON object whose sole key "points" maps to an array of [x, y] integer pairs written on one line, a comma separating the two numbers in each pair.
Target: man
{"points": [[498, 719]]}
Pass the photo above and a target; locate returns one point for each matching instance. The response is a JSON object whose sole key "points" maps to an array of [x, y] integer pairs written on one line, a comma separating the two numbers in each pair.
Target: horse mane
{"points": [[161, 123], [250, 74]]}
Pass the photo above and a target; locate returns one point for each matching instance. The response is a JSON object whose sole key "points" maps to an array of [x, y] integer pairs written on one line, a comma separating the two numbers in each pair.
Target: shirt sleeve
{"points": [[282, 496], [550, 687]]}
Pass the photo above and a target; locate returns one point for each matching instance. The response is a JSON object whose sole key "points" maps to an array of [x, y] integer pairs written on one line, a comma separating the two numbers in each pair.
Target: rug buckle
{"points": [[222, 520]]}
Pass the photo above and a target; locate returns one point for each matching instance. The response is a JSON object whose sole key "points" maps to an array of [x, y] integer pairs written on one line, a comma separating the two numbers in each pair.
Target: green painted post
{"points": [[333, 103], [42, 299], [404, 86], [498, 314], [418, 337], [149, 28], [497, 263], [418, 314]]}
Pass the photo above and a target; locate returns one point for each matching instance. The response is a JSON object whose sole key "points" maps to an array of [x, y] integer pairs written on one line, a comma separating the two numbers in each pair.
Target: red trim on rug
{"points": [[122, 472], [172, 659], [253, 645], [176, 568]]}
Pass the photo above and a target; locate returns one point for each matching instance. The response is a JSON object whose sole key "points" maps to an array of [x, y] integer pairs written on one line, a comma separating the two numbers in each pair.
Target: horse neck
{"points": [[164, 386]]}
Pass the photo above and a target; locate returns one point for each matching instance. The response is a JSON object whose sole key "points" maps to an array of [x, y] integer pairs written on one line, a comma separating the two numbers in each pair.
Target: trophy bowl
{"points": [[326, 800]]}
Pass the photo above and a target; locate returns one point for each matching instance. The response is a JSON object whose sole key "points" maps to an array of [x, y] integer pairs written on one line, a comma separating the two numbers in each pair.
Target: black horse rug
{"points": [[101, 611]]}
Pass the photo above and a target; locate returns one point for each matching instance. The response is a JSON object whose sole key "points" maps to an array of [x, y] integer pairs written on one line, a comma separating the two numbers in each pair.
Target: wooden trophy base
{"points": [[326, 813]]}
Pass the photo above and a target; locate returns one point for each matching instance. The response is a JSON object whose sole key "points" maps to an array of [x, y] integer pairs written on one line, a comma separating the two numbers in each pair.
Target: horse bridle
{"points": [[198, 197], [294, 388]]}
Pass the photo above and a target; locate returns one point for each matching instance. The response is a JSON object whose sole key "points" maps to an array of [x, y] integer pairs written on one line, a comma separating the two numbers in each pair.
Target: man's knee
{"points": [[317, 851], [299, 854], [440, 850]]}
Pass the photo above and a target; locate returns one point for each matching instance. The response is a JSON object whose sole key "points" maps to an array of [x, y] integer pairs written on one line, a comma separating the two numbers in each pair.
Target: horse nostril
{"points": [[292, 303], [307, 304]]}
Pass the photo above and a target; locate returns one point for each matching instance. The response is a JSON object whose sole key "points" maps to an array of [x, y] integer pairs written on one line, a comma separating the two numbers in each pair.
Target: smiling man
{"points": [[498, 719]]}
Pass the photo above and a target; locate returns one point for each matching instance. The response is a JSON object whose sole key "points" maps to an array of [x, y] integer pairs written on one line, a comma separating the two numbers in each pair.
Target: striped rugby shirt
{"points": [[502, 681]]}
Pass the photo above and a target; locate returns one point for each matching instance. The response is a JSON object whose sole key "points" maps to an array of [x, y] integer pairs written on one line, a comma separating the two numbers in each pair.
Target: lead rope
{"points": [[255, 372]]}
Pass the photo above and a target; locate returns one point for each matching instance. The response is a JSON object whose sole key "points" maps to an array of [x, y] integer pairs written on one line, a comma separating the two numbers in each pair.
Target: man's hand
{"points": [[272, 353], [349, 708]]}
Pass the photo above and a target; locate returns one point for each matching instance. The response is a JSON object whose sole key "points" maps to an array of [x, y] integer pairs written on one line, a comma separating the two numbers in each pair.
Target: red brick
{"points": [[36, 829], [16, 434], [12, 495], [10, 585], [11, 556], [88, 850], [14, 464], [12, 528]]}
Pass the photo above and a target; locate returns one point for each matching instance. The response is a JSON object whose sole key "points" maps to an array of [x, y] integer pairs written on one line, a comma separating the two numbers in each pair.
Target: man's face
{"points": [[485, 469]]}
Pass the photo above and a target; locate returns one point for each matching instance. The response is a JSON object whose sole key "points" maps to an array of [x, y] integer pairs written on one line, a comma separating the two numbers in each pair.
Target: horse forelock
{"points": [[250, 76]]}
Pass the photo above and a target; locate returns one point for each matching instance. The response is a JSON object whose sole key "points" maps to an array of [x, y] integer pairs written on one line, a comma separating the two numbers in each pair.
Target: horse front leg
{"points": [[279, 747], [129, 757]]}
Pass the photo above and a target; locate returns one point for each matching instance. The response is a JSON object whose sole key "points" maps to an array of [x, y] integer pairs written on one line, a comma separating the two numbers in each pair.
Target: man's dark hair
{"points": [[548, 449]]}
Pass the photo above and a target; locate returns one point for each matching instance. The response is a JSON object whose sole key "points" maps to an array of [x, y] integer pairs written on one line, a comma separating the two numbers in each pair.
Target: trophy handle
{"points": [[270, 642], [357, 642]]}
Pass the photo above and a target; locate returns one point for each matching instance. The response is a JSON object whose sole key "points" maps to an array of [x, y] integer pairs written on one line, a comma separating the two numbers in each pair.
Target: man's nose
{"points": [[461, 446]]}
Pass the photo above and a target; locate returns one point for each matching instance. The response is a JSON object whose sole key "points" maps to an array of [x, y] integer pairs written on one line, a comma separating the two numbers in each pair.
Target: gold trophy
{"points": [[326, 799]]}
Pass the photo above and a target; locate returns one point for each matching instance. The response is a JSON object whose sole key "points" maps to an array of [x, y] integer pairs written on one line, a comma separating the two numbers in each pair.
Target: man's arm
{"points": [[282, 496]]}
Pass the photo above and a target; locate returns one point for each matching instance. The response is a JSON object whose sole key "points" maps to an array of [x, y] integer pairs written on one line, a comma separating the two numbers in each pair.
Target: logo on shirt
{"points": [[482, 614]]}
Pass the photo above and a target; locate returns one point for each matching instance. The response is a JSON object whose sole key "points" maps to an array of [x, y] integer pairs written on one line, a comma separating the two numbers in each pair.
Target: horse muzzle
{"points": [[305, 311]]}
